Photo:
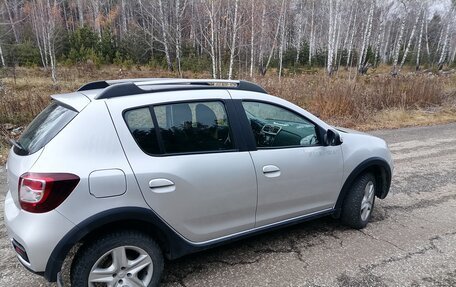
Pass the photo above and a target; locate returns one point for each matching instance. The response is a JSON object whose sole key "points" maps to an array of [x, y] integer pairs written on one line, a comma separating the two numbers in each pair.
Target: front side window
{"points": [[193, 127], [274, 126]]}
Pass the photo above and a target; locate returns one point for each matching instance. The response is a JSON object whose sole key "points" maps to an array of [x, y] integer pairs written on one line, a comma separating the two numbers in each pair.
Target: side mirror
{"points": [[332, 138]]}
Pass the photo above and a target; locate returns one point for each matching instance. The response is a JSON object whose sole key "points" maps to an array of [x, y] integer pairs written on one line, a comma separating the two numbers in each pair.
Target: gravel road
{"points": [[411, 240]]}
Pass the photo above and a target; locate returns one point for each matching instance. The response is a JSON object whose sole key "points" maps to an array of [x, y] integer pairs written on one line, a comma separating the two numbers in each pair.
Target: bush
{"points": [[24, 54]]}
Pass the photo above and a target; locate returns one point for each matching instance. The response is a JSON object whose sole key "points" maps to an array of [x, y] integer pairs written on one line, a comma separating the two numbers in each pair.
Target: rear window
{"points": [[45, 127]]}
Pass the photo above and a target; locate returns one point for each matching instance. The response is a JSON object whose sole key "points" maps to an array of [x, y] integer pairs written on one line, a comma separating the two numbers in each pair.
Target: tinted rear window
{"points": [[45, 127]]}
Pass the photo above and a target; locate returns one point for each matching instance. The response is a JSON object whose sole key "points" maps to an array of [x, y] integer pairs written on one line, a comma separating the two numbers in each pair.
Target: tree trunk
{"points": [[164, 29], [330, 33], [367, 33], [212, 40], [420, 40], [350, 45], [443, 54], [427, 38], [271, 52], [178, 16], [282, 41], [81, 12], [233, 40], [96, 14], [299, 22], [124, 16], [252, 38], [1, 56], [261, 52], [13, 26], [398, 48], [412, 34], [312, 34]]}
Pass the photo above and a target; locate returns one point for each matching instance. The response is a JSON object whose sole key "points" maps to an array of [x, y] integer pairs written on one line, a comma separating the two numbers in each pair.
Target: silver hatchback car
{"points": [[136, 170]]}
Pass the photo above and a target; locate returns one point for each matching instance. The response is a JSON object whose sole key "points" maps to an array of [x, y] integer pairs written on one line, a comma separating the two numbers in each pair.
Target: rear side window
{"points": [[142, 128], [194, 127], [181, 128], [45, 127]]}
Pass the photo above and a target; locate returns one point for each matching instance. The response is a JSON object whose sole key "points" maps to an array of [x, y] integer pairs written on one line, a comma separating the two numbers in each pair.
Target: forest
{"points": [[229, 38]]}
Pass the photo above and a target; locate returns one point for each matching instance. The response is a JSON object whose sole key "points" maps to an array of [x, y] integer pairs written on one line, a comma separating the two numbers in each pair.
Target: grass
{"points": [[369, 102]]}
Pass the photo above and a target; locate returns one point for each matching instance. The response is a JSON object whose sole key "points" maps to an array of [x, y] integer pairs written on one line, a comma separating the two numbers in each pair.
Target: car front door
{"points": [[296, 174], [188, 165]]}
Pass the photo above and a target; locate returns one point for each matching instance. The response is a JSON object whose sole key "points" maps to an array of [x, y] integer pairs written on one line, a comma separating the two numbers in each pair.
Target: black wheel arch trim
{"points": [[83, 229], [384, 176]]}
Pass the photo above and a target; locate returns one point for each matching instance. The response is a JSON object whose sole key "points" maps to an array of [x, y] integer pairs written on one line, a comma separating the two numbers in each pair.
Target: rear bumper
{"points": [[34, 234]]}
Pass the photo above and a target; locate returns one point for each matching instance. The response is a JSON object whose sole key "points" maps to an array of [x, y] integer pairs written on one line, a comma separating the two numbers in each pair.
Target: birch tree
{"points": [[412, 34], [233, 39], [331, 33], [366, 40], [420, 40], [398, 44], [252, 37]]}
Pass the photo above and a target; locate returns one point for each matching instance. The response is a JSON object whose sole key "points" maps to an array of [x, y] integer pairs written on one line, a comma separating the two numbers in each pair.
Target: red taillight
{"points": [[42, 192]]}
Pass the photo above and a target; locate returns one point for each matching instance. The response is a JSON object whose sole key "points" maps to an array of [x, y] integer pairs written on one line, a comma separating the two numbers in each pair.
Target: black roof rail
{"points": [[121, 88], [106, 83], [94, 86]]}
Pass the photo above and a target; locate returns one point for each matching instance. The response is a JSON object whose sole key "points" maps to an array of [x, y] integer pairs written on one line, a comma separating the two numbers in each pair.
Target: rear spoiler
{"points": [[73, 101]]}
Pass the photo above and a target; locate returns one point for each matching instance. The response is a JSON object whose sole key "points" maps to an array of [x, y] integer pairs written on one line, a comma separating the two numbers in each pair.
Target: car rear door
{"points": [[188, 162], [296, 174]]}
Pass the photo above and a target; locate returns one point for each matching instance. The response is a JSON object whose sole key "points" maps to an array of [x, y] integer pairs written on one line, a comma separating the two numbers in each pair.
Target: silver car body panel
{"points": [[37, 233], [215, 193], [76, 100]]}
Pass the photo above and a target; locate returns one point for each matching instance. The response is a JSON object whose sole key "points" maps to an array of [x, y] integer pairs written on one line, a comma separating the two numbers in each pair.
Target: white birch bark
{"points": [[282, 41], [381, 36], [329, 62], [252, 38], [366, 40], [412, 34], [233, 39], [211, 13], [398, 47], [420, 40], [427, 37], [336, 48], [443, 53], [178, 14], [271, 51], [350, 45], [164, 30], [312, 34], [299, 22], [1, 56], [261, 51]]}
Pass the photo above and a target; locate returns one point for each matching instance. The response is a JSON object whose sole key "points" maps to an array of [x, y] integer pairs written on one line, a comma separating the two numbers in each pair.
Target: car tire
{"points": [[118, 258], [359, 202]]}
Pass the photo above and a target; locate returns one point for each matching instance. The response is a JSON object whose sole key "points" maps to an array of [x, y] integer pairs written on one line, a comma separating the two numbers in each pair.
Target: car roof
{"points": [[106, 89], [127, 87]]}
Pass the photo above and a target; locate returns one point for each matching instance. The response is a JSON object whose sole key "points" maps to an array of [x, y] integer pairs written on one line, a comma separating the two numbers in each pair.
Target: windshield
{"points": [[44, 127]]}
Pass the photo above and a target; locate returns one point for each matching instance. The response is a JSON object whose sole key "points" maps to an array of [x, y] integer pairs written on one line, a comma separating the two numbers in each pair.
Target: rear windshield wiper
{"points": [[17, 145]]}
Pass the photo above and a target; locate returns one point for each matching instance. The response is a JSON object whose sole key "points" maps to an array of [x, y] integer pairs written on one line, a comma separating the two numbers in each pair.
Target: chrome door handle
{"points": [[271, 171], [162, 185]]}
